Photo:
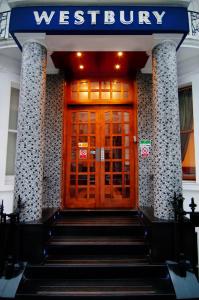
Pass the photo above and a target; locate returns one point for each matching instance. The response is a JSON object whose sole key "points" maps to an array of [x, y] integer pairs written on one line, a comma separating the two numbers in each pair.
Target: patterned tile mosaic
{"points": [[30, 137], [53, 141], [144, 89], [166, 132]]}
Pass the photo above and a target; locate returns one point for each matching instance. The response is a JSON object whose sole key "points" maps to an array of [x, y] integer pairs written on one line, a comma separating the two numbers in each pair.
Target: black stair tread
{"points": [[96, 240], [89, 286], [102, 259], [98, 221]]}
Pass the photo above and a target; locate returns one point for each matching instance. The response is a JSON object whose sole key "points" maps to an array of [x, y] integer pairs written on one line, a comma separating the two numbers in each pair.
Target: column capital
{"points": [[39, 38], [162, 39]]}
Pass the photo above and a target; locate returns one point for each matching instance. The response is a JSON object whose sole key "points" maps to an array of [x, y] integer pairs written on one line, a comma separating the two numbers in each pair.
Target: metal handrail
{"points": [[194, 23], [4, 25]]}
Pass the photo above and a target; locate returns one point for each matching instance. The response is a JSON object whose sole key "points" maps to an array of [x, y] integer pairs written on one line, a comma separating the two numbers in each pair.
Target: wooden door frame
{"points": [[133, 106]]}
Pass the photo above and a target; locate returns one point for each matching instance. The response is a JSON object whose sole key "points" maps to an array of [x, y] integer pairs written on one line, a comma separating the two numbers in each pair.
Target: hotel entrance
{"points": [[100, 162]]}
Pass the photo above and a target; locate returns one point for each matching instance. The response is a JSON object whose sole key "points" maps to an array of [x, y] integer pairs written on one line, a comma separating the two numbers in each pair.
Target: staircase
{"points": [[96, 255]]}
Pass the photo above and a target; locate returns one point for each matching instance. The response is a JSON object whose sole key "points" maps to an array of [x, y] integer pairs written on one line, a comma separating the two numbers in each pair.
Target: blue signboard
{"points": [[99, 19]]}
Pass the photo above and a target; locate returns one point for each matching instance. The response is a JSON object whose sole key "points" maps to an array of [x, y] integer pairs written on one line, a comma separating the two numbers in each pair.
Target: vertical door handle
{"points": [[102, 154]]}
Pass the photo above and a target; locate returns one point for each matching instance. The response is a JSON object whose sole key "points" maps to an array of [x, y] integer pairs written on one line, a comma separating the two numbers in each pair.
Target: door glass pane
{"points": [[92, 141], [116, 95], [127, 166], [83, 95], [72, 179], [92, 166], [73, 167], [117, 153], [83, 128], [92, 179], [105, 95], [94, 85], [83, 139], [117, 141], [72, 192], [82, 193], [117, 179], [107, 140], [107, 116], [116, 86], [117, 128], [126, 141], [117, 166], [117, 116], [83, 167], [74, 129], [126, 128], [107, 153], [107, 179], [107, 192], [117, 192], [92, 128], [107, 129], [82, 179], [94, 95], [92, 117], [126, 116], [83, 86], [127, 179], [107, 166], [83, 116], [127, 153], [105, 85], [74, 117], [126, 192], [92, 193]]}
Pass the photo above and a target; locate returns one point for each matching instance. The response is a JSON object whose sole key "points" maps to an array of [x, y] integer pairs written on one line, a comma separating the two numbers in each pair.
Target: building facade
{"points": [[90, 116]]}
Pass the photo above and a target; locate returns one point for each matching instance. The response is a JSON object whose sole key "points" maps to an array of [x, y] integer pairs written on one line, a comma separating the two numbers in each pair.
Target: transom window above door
{"points": [[100, 92]]}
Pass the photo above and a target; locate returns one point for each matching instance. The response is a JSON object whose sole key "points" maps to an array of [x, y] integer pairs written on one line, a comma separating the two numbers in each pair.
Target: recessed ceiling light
{"points": [[79, 54], [117, 67], [81, 67], [120, 53]]}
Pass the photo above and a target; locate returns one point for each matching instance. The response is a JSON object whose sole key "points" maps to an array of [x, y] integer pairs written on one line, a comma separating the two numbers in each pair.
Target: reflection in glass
{"points": [[116, 95], [82, 193], [107, 179], [116, 85], [107, 129], [83, 139], [126, 141], [127, 179], [94, 95], [107, 154], [117, 192], [83, 128], [72, 179], [92, 141], [107, 192], [105, 95], [126, 116], [107, 140], [92, 166], [94, 85], [92, 117], [83, 167], [83, 116], [117, 116], [74, 117], [117, 128], [107, 166], [92, 179], [127, 192], [82, 179], [126, 128], [83, 85], [92, 193], [117, 179], [127, 153], [72, 192], [73, 167], [74, 96], [74, 129], [83, 95], [117, 153], [107, 116], [92, 128], [117, 166], [117, 141], [105, 85], [127, 166]]}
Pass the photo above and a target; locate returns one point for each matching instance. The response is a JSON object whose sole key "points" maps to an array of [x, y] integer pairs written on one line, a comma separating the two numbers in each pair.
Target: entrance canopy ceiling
{"points": [[81, 64]]}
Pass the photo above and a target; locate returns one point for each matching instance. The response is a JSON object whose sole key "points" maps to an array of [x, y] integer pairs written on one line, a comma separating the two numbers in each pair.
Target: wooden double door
{"points": [[100, 161]]}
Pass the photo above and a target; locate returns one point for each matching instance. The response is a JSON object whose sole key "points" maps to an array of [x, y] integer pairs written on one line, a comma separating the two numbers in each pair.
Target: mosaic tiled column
{"points": [[30, 136], [166, 130]]}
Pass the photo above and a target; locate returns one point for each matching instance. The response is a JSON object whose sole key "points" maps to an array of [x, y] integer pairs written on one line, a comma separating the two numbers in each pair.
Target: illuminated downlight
{"points": [[120, 54], [117, 67], [79, 54], [81, 67]]}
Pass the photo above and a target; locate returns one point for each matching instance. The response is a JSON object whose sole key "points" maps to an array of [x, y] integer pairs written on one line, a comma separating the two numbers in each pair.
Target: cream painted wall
{"points": [[9, 76]]}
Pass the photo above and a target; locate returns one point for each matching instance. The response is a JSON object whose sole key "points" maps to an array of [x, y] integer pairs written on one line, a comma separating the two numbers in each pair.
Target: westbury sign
{"points": [[99, 19]]}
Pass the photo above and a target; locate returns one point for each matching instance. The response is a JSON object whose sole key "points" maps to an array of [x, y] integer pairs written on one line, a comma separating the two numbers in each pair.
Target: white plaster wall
{"points": [[191, 188], [9, 76]]}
